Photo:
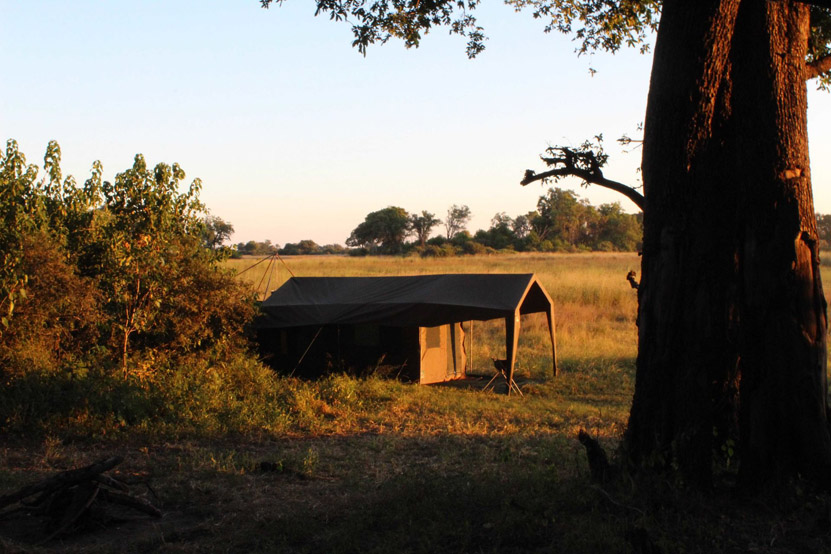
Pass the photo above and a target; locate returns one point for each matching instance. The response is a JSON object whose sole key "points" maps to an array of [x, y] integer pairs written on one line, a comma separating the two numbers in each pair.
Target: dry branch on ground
{"points": [[75, 499]]}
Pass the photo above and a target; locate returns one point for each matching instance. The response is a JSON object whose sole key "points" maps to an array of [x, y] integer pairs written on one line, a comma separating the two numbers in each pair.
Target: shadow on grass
{"points": [[435, 494]]}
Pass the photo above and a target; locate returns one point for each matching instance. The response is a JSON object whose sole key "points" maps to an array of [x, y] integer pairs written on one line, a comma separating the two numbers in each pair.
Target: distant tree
{"points": [[255, 248], [216, 231], [501, 233], [333, 249], [562, 217], [621, 231], [457, 220], [383, 231], [522, 225], [824, 230], [422, 225], [302, 248]]}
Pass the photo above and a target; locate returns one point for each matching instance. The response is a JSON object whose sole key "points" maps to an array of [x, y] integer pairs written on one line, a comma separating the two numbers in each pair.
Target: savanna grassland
{"points": [[256, 462]]}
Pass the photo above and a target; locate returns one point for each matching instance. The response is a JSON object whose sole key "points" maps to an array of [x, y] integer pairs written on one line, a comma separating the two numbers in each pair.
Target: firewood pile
{"points": [[75, 500]]}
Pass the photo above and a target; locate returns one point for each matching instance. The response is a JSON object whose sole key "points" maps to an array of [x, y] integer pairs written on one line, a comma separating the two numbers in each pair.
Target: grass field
{"points": [[372, 465]]}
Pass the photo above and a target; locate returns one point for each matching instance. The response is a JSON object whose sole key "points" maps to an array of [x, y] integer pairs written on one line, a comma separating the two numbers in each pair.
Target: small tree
{"points": [[457, 220], [149, 230], [422, 225], [216, 231]]}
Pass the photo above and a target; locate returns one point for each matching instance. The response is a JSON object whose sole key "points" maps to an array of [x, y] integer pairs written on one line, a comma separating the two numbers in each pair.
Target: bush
{"points": [[473, 248], [56, 325], [434, 251]]}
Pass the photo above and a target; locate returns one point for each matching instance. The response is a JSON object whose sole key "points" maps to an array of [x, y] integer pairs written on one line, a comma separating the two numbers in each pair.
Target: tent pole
{"points": [[471, 345], [553, 333], [511, 343], [300, 361]]}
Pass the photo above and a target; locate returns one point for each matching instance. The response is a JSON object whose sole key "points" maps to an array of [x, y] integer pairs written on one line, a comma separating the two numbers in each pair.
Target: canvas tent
{"points": [[380, 309]]}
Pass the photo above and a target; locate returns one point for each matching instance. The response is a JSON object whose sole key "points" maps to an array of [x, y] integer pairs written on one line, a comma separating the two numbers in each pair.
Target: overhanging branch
{"points": [[817, 67], [582, 163]]}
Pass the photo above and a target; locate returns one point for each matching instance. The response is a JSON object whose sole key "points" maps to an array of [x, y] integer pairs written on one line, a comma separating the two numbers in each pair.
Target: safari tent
{"points": [[413, 322]]}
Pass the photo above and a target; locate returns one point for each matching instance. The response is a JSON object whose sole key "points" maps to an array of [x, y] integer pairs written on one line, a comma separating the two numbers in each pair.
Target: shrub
{"points": [[56, 324]]}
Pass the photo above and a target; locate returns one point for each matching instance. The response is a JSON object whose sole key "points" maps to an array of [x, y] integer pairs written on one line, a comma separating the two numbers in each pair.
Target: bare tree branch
{"points": [[583, 163], [817, 67]]}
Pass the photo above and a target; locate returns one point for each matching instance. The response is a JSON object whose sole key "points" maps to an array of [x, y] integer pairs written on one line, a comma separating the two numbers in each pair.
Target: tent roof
{"points": [[419, 300]]}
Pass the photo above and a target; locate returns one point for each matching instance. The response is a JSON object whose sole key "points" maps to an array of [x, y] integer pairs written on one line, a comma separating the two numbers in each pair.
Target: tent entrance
{"points": [[443, 355]]}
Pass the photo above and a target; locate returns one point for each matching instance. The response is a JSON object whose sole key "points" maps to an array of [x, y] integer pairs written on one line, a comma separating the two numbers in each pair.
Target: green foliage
{"points": [[110, 268], [254, 248], [819, 42], [598, 24], [56, 326], [383, 231], [595, 24], [149, 234], [422, 225], [215, 231], [304, 248], [19, 214], [562, 222], [404, 19]]}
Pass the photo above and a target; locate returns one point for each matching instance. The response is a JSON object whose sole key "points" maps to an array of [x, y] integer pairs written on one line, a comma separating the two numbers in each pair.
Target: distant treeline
{"points": [[562, 222], [824, 231]]}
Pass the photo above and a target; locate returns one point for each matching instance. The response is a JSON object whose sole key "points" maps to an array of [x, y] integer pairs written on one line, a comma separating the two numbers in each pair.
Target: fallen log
{"points": [[72, 497]]}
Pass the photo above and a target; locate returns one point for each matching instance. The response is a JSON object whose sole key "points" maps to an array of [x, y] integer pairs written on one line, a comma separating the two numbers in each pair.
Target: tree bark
{"points": [[686, 351], [784, 425], [731, 313]]}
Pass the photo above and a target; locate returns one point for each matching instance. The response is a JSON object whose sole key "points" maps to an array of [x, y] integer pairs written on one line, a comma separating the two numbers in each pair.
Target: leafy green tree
{"points": [[216, 231], [383, 231], [621, 231], [422, 225], [149, 230], [522, 226], [500, 235], [456, 220], [563, 217]]}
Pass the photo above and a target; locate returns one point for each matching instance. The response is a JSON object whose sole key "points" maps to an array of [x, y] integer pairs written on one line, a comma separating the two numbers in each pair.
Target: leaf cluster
{"points": [[819, 43], [597, 24], [380, 20]]}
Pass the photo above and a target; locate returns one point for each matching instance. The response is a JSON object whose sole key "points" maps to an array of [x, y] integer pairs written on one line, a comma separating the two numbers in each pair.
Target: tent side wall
{"points": [[443, 356], [357, 349]]}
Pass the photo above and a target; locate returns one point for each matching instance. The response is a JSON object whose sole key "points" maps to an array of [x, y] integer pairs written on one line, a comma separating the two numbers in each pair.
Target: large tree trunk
{"points": [[731, 316], [784, 426]]}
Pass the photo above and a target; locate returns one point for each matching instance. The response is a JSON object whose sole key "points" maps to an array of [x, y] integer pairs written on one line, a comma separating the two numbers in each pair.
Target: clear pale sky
{"points": [[295, 134]]}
